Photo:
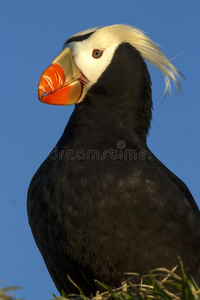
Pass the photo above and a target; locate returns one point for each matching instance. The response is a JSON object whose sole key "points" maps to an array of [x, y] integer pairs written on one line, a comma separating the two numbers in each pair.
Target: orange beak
{"points": [[59, 84]]}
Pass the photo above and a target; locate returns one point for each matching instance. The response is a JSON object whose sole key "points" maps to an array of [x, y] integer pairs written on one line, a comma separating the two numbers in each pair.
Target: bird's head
{"points": [[86, 56]]}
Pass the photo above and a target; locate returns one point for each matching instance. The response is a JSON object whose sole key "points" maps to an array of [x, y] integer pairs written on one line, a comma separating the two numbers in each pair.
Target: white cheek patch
{"points": [[92, 67]]}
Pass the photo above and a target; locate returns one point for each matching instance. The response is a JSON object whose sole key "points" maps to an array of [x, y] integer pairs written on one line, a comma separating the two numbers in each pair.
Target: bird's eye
{"points": [[97, 53]]}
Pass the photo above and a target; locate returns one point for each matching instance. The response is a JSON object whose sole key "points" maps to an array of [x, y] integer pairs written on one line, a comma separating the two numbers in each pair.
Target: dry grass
{"points": [[5, 293], [159, 284]]}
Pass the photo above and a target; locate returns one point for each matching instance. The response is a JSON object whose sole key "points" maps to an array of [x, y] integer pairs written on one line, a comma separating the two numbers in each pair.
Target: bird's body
{"points": [[102, 204]]}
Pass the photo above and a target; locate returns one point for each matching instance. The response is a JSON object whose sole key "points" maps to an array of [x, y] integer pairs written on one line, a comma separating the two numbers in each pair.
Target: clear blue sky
{"points": [[32, 34]]}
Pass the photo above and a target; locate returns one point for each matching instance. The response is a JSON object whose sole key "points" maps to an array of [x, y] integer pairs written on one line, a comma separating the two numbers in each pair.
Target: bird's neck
{"points": [[97, 123], [117, 107]]}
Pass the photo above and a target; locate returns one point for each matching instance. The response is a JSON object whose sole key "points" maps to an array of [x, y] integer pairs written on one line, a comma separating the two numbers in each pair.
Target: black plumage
{"points": [[102, 204]]}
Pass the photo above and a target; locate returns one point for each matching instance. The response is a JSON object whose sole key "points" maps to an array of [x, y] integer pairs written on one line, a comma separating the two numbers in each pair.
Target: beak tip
{"points": [[40, 94]]}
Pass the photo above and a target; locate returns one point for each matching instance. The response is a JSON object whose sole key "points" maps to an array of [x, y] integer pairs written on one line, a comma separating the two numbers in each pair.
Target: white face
{"points": [[90, 62]]}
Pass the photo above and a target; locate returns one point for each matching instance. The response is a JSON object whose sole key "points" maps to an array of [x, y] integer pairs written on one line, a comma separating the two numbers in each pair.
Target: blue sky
{"points": [[32, 34]]}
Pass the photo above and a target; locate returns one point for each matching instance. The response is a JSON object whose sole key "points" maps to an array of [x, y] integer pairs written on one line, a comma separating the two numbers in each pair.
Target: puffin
{"points": [[102, 204]]}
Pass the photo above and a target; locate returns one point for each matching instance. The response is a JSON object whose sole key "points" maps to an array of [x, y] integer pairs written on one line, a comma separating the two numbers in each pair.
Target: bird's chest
{"points": [[72, 193]]}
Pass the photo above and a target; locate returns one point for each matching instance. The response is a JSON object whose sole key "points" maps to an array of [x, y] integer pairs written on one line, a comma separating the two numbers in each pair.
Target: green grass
{"points": [[159, 284]]}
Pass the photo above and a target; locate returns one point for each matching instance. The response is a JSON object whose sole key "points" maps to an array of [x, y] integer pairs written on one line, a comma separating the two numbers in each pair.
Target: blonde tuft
{"points": [[107, 36]]}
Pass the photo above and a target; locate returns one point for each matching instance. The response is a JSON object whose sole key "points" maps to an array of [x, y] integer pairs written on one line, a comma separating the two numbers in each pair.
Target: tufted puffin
{"points": [[102, 204]]}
